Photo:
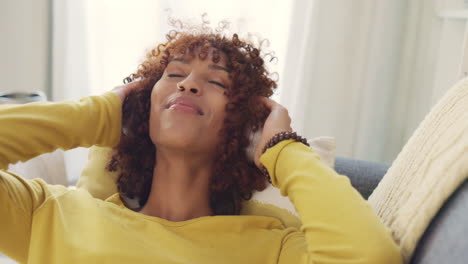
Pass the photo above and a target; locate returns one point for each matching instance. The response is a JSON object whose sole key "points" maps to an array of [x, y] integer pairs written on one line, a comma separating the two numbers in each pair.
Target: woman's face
{"points": [[188, 104]]}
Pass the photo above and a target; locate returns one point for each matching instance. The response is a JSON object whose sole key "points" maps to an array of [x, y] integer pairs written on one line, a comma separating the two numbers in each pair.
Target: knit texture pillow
{"points": [[430, 167], [101, 183]]}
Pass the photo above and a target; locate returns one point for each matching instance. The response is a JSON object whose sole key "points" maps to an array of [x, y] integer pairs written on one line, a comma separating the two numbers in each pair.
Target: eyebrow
{"points": [[211, 66]]}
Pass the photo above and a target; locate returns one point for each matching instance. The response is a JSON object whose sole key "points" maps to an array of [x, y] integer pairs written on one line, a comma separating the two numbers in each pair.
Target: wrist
{"points": [[279, 137]]}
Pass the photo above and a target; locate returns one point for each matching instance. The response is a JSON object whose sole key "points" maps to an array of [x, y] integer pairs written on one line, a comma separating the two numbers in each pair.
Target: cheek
{"points": [[157, 95], [154, 118], [221, 112], [155, 108]]}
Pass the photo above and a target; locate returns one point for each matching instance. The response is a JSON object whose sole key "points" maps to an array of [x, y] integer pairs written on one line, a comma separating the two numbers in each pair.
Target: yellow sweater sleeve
{"points": [[32, 129], [338, 225]]}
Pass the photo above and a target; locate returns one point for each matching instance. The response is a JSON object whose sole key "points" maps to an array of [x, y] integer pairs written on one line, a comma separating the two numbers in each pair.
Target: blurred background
{"points": [[362, 71]]}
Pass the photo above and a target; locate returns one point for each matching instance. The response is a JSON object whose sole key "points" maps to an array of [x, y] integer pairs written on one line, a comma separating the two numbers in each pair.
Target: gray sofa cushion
{"points": [[364, 175], [446, 238]]}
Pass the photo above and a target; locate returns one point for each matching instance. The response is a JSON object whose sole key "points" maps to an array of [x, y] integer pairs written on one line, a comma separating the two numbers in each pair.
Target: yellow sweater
{"points": [[41, 223]]}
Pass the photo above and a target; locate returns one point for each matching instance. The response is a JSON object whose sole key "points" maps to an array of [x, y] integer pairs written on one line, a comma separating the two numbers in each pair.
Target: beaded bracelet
{"points": [[278, 137]]}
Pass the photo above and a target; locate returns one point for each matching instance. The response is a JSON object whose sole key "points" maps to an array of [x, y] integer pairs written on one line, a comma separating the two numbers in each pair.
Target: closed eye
{"points": [[217, 83], [180, 76], [175, 75]]}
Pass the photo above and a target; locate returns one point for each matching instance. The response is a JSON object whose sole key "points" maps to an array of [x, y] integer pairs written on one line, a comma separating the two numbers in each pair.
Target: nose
{"points": [[191, 85]]}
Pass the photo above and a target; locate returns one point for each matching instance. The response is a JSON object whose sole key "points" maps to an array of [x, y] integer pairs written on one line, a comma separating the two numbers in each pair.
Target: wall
{"points": [[24, 49]]}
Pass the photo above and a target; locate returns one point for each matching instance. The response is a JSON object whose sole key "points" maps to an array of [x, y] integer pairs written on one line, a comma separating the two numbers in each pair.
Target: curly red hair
{"points": [[235, 177]]}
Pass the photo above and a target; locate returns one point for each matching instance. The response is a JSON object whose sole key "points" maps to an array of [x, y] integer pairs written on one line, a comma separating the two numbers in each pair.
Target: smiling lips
{"points": [[185, 104]]}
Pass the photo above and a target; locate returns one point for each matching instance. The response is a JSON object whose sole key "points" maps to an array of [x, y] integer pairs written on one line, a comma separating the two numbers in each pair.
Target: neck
{"points": [[180, 186]]}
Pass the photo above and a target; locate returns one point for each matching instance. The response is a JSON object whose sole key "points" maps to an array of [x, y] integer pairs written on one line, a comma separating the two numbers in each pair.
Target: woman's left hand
{"points": [[123, 90], [277, 121]]}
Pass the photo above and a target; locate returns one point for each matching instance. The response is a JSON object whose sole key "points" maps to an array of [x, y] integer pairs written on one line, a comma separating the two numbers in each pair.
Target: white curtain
{"points": [[363, 71], [342, 72], [98, 43]]}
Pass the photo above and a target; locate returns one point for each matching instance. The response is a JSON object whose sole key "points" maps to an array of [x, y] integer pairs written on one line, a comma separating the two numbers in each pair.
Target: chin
{"points": [[176, 139]]}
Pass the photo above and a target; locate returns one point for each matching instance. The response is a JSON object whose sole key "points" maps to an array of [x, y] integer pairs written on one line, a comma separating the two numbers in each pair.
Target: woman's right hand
{"points": [[123, 90]]}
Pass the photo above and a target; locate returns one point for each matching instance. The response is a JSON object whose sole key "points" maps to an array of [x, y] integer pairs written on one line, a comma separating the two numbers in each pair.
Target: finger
{"points": [[128, 88], [268, 102], [133, 85]]}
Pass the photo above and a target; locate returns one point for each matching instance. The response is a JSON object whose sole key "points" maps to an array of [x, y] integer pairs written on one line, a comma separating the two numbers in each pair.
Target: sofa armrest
{"points": [[364, 175], [446, 238]]}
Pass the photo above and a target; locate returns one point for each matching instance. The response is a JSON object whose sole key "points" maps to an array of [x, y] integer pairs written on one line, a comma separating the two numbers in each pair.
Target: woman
{"points": [[180, 145]]}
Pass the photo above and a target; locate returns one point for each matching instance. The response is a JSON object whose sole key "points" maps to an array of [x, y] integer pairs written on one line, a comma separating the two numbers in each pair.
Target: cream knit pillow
{"points": [[431, 166]]}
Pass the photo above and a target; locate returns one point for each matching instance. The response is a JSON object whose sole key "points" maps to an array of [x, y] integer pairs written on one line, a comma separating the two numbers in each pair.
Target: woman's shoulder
{"points": [[65, 194], [257, 208]]}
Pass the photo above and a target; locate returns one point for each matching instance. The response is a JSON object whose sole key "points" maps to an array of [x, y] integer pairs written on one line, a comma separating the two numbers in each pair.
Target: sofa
{"points": [[446, 238]]}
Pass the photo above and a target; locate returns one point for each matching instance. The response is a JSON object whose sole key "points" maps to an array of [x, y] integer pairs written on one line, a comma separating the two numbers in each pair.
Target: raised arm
{"points": [[32, 129], [338, 225]]}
